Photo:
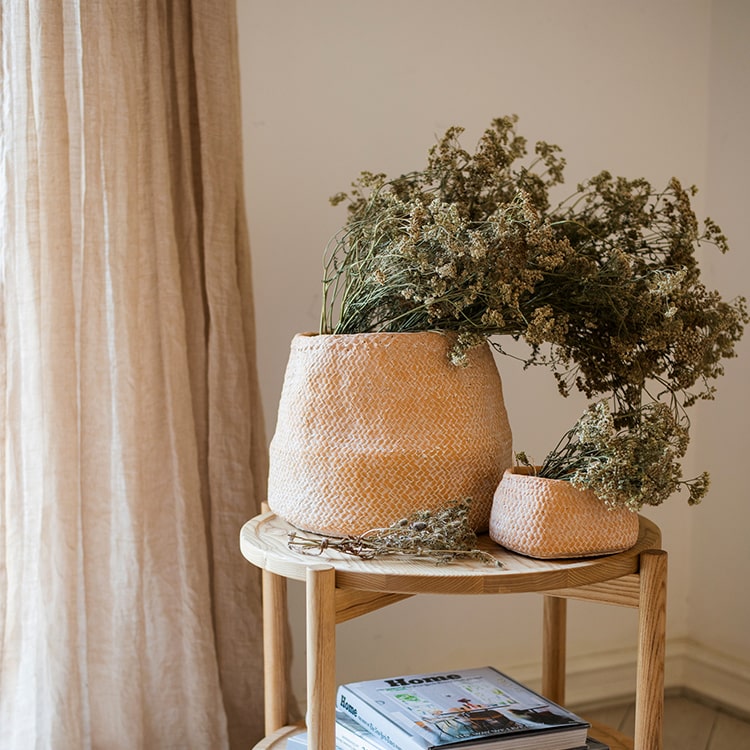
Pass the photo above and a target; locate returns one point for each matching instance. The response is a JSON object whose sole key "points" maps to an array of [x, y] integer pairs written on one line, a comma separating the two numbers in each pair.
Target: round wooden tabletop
{"points": [[264, 542]]}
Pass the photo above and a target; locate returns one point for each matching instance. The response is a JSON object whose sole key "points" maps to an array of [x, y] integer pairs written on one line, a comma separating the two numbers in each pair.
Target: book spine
{"points": [[357, 738], [345, 743], [299, 741], [385, 729]]}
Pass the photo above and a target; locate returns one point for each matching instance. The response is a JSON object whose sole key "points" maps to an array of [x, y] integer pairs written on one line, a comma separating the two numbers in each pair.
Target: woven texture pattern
{"points": [[374, 426], [545, 518]]}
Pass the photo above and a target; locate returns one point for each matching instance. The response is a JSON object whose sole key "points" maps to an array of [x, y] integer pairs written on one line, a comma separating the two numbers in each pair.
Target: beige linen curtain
{"points": [[131, 445]]}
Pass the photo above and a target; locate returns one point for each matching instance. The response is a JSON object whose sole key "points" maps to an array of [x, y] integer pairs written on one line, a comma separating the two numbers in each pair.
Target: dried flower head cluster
{"points": [[627, 467], [459, 246], [443, 535], [630, 316]]}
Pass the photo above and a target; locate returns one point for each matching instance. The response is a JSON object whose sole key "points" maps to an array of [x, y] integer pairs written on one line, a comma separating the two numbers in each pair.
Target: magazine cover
{"points": [[479, 706]]}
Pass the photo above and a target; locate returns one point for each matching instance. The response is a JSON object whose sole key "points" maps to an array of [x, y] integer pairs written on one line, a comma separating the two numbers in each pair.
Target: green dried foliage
{"points": [[604, 287], [458, 246], [443, 536], [626, 467]]}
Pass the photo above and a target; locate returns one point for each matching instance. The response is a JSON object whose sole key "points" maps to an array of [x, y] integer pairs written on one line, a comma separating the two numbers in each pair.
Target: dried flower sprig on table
{"points": [[626, 467], [443, 535]]}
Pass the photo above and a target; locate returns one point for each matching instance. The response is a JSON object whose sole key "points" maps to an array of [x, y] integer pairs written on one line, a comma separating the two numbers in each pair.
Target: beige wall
{"points": [[719, 591], [644, 88]]}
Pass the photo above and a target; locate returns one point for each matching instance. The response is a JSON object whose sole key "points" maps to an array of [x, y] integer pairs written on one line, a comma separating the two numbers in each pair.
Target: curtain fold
{"points": [[131, 443]]}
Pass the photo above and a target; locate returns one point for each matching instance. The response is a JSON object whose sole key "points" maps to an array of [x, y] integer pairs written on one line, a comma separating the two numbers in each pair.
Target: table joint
{"points": [[624, 591]]}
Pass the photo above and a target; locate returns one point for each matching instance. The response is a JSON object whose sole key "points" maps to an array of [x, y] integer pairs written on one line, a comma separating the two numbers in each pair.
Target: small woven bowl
{"points": [[550, 518]]}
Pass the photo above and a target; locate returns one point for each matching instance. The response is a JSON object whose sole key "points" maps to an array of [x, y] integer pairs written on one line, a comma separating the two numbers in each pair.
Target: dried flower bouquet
{"points": [[604, 287]]}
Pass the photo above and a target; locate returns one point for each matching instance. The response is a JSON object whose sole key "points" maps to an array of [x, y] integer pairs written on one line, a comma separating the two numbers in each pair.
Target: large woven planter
{"points": [[549, 518], [374, 426]]}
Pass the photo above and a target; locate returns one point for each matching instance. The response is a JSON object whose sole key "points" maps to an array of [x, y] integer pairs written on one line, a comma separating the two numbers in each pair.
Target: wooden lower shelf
{"points": [[616, 740], [277, 740]]}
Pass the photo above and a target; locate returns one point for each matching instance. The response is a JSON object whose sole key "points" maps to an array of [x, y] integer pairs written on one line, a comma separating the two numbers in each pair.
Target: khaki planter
{"points": [[549, 518], [374, 426]]}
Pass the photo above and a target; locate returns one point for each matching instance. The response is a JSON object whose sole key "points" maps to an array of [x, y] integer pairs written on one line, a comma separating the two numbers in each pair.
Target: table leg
{"points": [[275, 651], [321, 657], [553, 649], [649, 702]]}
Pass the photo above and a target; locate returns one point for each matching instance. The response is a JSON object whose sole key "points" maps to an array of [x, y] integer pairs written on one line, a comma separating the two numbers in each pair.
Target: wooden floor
{"points": [[689, 724]]}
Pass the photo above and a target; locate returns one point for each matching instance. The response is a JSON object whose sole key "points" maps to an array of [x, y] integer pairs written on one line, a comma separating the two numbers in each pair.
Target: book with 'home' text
{"points": [[481, 708]]}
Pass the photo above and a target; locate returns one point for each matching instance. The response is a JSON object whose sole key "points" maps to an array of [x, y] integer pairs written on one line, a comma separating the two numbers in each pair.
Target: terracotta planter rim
{"points": [[523, 470], [526, 472], [371, 334]]}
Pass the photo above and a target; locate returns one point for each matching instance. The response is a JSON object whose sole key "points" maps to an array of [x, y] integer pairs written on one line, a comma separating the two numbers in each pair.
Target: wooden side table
{"points": [[340, 588]]}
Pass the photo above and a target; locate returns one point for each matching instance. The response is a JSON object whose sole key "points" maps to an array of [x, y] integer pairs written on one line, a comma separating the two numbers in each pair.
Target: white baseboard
{"points": [[593, 679], [717, 676], [609, 677]]}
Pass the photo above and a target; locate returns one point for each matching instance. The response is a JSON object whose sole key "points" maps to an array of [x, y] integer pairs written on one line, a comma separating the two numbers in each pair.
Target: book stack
{"points": [[471, 709]]}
